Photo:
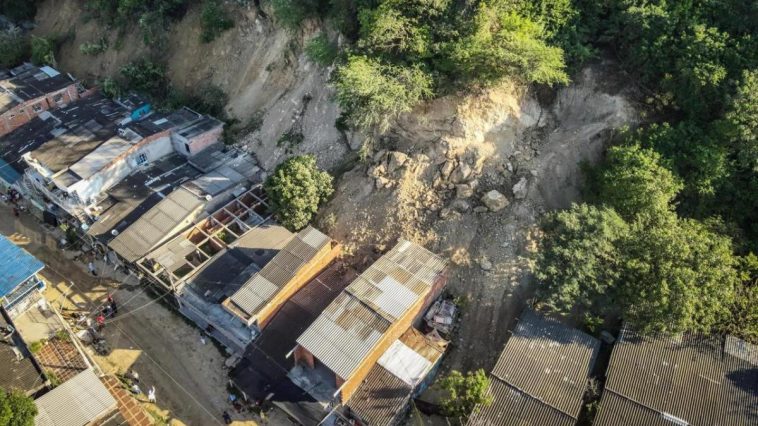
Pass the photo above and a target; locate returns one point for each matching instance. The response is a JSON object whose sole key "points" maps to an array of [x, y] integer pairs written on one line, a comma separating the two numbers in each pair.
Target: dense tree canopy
{"points": [[296, 189], [16, 409], [464, 392]]}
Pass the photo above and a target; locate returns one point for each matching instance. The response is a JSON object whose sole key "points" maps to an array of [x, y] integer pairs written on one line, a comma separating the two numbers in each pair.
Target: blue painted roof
{"points": [[16, 266], [8, 173]]}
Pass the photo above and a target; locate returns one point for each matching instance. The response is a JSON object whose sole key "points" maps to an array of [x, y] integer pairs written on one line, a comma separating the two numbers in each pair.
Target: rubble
{"points": [[463, 191], [461, 173], [396, 160]]}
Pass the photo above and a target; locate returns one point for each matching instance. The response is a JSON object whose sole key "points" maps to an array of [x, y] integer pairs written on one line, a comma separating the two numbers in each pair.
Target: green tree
{"points": [[386, 30], [19, 10], [579, 258], [296, 189], [16, 409], [147, 77], [371, 93], [320, 50], [464, 393], [43, 51], [632, 180], [743, 321], [501, 43], [214, 20], [290, 13], [14, 47]]}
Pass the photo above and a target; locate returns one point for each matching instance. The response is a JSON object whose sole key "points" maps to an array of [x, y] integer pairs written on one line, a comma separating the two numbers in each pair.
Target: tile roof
{"points": [[693, 380], [156, 225], [78, 401], [62, 358], [16, 266], [263, 286], [544, 361], [381, 397]]}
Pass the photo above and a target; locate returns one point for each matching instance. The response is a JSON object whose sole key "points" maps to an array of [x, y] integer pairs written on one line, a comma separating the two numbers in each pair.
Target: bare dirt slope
{"points": [[449, 153], [262, 69]]}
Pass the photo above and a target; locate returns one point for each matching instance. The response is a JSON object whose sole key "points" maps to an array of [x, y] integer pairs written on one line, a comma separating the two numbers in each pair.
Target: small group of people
{"points": [[134, 376], [108, 310]]}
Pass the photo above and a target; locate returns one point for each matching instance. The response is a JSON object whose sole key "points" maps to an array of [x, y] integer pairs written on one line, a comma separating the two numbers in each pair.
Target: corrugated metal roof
{"points": [[350, 327], [76, 402], [263, 286], [693, 378], [405, 363], [548, 361], [16, 266], [512, 407], [344, 334], [155, 225], [381, 397], [398, 279]]}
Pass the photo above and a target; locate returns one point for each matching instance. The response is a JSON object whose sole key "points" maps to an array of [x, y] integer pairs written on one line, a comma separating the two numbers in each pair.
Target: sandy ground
{"points": [[189, 376]]}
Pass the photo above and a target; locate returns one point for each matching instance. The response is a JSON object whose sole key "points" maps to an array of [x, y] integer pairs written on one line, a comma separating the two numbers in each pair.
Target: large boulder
{"points": [[495, 201], [520, 189]]}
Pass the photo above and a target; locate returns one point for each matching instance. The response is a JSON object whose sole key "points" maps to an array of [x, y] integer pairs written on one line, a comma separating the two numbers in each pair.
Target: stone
{"points": [[461, 206], [396, 161], [474, 184], [461, 173], [445, 213], [463, 191], [379, 156], [382, 182], [509, 166], [481, 209], [378, 171], [495, 201], [485, 264], [520, 189], [447, 168]]}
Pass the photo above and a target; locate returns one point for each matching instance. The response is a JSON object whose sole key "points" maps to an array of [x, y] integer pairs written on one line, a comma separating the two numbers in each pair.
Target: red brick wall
{"points": [[23, 113], [204, 140]]}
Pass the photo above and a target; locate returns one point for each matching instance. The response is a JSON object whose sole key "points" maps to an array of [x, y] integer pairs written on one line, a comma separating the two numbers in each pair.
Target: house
{"points": [[27, 91], [82, 400], [262, 373], [402, 372], [19, 371], [19, 282], [337, 352], [541, 375], [687, 380], [237, 253]]}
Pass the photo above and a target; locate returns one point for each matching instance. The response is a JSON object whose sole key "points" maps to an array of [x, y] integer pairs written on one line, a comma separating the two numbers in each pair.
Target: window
{"points": [[58, 98], [141, 159], [37, 107], [186, 146]]}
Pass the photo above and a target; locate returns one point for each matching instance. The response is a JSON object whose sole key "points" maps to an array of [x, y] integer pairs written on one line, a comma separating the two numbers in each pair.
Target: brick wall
{"points": [[24, 112], [204, 140]]}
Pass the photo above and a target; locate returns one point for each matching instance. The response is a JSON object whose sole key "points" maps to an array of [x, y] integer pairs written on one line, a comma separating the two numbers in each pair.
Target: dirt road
{"points": [[189, 376]]}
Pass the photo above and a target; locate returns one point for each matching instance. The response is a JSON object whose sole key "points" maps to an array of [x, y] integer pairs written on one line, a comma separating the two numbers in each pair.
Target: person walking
{"points": [[100, 323], [92, 270], [151, 395]]}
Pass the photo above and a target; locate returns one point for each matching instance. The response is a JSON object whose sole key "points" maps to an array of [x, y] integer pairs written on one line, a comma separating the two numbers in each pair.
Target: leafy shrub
{"points": [[320, 50], [464, 393], [14, 47], [55, 381], [290, 13], [296, 189], [94, 48], [147, 77], [43, 51], [19, 10], [111, 88], [16, 409], [214, 21], [35, 347]]}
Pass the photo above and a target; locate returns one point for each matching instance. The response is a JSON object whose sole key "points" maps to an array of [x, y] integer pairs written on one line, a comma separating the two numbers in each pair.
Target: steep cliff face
{"points": [[260, 67]]}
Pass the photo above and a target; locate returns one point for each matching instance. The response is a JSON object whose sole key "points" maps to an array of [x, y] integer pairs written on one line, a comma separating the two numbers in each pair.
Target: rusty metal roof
{"points": [[692, 380], [381, 398]]}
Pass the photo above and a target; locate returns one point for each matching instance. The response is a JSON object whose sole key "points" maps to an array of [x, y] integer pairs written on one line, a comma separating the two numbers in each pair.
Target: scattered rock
{"points": [[447, 168], [379, 156], [445, 213], [509, 166], [481, 209], [533, 172], [396, 161], [520, 189], [382, 182], [463, 191], [377, 171], [474, 184], [461, 173], [495, 201], [485, 264], [461, 206]]}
